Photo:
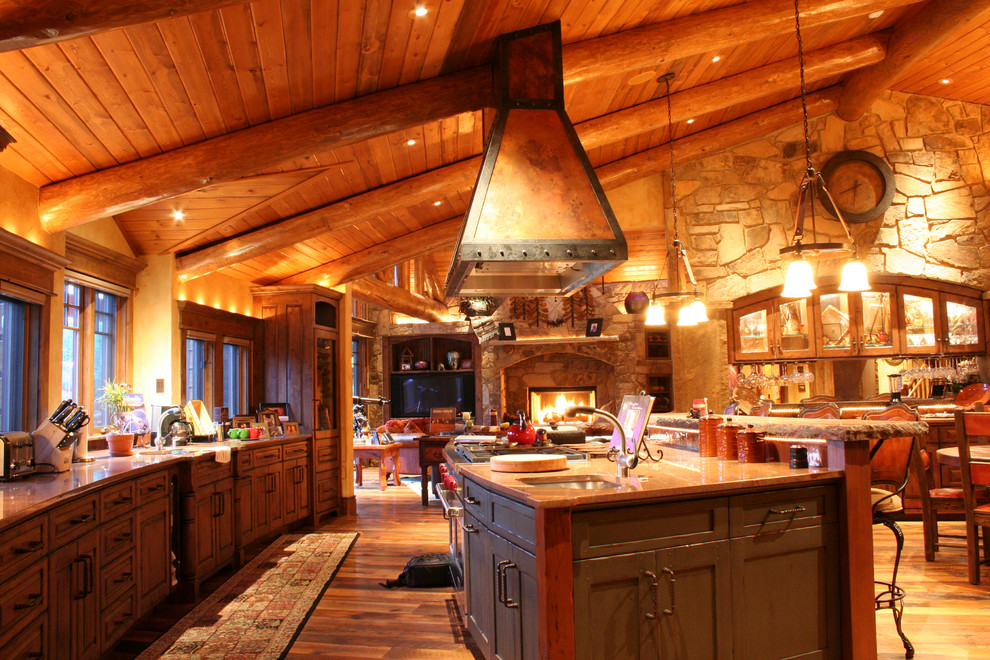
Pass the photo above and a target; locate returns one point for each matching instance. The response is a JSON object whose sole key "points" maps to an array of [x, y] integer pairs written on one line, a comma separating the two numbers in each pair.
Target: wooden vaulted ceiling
{"points": [[325, 140]]}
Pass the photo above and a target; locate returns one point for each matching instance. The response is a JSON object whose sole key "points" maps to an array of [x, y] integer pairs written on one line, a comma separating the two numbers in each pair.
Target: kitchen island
{"points": [[689, 557]]}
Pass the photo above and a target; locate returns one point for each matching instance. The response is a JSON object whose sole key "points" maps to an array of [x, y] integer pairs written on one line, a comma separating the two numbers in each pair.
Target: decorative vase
{"points": [[453, 359], [636, 302], [120, 444]]}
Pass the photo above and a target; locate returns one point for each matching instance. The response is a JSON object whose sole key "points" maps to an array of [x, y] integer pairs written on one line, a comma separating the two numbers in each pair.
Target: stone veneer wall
{"points": [[738, 206]]}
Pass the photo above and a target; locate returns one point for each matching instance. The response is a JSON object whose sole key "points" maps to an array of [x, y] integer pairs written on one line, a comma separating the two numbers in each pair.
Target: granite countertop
{"points": [[680, 474], [841, 430], [26, 496]]}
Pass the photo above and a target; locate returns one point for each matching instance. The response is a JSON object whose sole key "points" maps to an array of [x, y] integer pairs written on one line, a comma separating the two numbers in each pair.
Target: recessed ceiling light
{"points": [[178, 215], [437, 203], [945, 81], [716, 59], [690, 121], [410, 143], [420, 11], [875, 14]]}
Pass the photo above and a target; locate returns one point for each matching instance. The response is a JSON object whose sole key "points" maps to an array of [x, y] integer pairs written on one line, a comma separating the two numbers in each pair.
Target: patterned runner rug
{"points": [[258, 612]]}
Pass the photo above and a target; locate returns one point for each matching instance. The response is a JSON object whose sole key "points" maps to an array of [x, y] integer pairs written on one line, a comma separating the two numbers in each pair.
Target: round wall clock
{"points": [[861, 183]]}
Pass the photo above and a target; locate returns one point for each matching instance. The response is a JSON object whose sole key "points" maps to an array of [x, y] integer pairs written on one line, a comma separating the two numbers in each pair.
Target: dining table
{"points": [[949, 456]]}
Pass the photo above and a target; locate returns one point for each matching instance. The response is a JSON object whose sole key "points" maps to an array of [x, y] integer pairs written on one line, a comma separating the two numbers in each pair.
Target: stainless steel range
{"points": [[482, 452]]}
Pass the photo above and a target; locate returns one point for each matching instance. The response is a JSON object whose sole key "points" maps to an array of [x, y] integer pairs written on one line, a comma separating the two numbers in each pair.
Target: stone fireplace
{"points": [[566, 374], [547, 404]]}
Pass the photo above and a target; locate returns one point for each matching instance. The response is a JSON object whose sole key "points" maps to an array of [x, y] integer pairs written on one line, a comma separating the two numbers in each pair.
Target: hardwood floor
{"points": [[944, 616]]}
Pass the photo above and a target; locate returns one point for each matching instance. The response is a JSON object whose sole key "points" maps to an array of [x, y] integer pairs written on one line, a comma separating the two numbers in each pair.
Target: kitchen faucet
{"points": [[626, 460]]}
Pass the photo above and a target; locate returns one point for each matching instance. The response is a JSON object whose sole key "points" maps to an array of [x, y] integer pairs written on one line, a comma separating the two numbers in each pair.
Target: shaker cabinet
{"points": [[940, 322], [74, 604]]}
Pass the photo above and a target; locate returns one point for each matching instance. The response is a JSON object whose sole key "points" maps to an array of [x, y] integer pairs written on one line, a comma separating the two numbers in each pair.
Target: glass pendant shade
{"points": [[685, 316], [854, 277], [698, 311], [655, 315], [798, 281]]}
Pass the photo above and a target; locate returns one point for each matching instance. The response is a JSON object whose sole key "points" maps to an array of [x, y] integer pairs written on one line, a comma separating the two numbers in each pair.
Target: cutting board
{"points": [[528, 463]]}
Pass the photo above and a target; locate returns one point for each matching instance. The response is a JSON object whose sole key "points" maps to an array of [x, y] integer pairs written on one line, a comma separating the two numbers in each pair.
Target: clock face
{"points": [[861, 184]]}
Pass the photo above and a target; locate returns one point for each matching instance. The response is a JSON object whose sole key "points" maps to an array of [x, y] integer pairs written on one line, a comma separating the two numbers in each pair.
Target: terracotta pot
{"points": [[636, 302], [120, 444]]}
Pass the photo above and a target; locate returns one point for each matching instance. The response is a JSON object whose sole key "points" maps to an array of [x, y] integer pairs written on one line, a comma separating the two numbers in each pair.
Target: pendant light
{"points": [[692, 310], [799, 280]]}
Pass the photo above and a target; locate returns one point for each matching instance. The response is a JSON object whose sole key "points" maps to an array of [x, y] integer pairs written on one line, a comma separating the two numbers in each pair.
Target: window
{"points": [[198, 359], [14, 351], [91, 331], [236, 370]]}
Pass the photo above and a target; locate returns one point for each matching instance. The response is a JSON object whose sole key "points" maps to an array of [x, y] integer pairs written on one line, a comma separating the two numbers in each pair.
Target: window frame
{"points": [[34, 310]]}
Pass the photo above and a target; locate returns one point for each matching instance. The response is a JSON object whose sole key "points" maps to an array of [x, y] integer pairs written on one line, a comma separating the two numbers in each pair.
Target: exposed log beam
{"points": [[742, 88], [912, 39], [399, 195], [25, 23], [707, 32], [132, 185], [714, 140], [367, 262], [399, 300]]}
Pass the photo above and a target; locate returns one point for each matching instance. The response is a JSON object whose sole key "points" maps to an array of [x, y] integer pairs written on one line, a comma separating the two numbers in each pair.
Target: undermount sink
{"points": [[155, 452], [578, 481]]}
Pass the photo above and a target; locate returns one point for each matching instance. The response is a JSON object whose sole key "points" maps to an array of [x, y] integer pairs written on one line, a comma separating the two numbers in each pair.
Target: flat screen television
{"points": [[413, 395]]}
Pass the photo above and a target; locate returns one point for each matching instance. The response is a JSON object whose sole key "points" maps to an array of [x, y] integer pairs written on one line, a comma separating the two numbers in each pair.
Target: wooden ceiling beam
{"points": [[912, 39], [131, 185], [228, 157], [380, 201], [399, 300], [367, 262], [26, 23], [707, 32], [782, 76]]}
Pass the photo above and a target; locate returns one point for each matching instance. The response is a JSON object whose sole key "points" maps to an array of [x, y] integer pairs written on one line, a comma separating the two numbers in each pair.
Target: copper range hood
{"points": [[538, 223]]}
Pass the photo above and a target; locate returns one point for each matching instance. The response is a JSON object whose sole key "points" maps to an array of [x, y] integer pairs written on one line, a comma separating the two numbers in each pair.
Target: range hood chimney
{"points": [[538, 223]]}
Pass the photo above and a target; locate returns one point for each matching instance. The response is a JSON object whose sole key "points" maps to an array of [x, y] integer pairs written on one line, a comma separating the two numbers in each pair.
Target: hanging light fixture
{"points": [[692, 309], [799, 280]]}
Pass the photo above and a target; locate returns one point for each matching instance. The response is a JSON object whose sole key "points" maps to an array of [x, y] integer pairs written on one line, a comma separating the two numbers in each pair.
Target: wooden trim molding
{"points": [[218, 322], [28, 264], [95, 260]]}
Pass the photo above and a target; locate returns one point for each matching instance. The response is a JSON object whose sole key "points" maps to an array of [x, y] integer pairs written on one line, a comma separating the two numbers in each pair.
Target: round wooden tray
{"points": [[528, 463]]}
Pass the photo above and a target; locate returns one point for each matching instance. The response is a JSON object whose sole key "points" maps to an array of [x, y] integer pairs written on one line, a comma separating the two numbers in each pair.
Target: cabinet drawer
{"points": [[327, 454], [23, 544], [22, 598], [244, 460], [32, 642], [152, 487], [117, 537], [477, 500], [117, 500], [70, 521], [433, 455], [117, 578], [267, 456], [777, 511], [513, 521], [295, 450], [327, 490], [598, 533], [207, 470], [118, 618]]}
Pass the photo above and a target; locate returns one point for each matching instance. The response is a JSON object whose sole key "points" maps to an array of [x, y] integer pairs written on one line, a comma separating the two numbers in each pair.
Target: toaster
{"points": [[16, 455]]}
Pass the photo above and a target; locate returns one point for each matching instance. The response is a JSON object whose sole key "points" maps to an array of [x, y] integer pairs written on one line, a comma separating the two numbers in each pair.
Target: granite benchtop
{"points": [[680, 474], [829, 430], [27, 496]]}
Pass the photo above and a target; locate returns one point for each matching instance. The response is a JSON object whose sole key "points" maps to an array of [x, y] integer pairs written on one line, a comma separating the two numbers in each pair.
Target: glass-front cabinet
{"points": [[894, 318]]}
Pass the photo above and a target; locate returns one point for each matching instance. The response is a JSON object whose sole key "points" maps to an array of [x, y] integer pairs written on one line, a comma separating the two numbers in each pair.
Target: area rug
{"points": [[260, 610], [415, 485]]}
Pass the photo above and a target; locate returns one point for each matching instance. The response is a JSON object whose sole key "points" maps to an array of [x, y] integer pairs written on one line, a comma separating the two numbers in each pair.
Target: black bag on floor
{"points": [[430, 570]]}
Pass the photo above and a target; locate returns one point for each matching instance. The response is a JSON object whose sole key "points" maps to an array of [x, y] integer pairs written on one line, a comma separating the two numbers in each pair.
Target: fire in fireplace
{"points": [[547, 404]]}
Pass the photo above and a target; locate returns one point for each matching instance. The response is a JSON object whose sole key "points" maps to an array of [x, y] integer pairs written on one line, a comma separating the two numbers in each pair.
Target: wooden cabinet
{"points": [[306, 366], [154, 568], [430, 371], [74, 606], [898, 316], [213, 526]]}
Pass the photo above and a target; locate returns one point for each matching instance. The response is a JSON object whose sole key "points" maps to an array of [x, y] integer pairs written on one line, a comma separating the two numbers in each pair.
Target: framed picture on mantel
{"points": [[506, 332]]}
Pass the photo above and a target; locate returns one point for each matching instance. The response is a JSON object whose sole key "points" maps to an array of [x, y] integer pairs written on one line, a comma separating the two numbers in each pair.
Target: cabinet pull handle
{"points": [[471, 500], [124, 577], [505, 588], [35, 654], [223, 504], [155, 488], [90, 573], [122, 500], [670, 581], [800, 508], [81, 593], [33, 599], [500, 580], [32, 546], [122, 537], [654, 588], [469, 529], [82, 519], [119, 622]]}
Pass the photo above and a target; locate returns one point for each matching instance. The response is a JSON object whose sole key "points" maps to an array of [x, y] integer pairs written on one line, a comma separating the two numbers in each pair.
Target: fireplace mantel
{"points": [[552, 340]]}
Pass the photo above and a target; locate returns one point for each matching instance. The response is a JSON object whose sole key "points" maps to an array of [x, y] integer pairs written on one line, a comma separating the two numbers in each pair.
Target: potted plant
{"points": [[113, 400]]}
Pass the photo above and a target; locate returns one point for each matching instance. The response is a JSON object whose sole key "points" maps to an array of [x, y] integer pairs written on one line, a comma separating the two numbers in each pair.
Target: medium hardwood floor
{"points": [[945, 617]]}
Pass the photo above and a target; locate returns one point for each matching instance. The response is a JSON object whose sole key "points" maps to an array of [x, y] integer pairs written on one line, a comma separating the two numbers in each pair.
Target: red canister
{"points": [[727, 449], [707, 426], [752, 445]]}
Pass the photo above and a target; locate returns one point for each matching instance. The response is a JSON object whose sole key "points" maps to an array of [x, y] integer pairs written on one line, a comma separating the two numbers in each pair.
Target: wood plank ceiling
{"points": [[124, 95]]}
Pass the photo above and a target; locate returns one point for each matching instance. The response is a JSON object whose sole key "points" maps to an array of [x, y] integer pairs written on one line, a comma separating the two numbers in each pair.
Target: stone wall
{"points": [[738, 206]]}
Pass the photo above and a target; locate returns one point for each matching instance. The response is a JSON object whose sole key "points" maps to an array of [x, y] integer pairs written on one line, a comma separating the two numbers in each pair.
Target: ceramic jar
{"points": [[752, 445], [727, 448], [707, 444]]}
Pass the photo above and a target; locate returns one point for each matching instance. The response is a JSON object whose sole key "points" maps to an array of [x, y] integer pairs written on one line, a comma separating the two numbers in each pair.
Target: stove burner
{"points": [[482, 452]]}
